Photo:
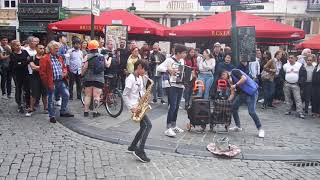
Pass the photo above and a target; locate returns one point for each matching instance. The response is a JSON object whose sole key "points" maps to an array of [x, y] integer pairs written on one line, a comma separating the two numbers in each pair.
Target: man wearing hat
{"points": [[217, 53], [74, 61]]}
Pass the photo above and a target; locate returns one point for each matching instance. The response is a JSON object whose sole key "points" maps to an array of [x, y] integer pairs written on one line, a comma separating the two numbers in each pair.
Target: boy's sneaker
{"points": [[28, 114], [287, 113], [235, 129], [178, 130], [141, 155], [261, 133], [132, 148], [53, 120], [58, 103], [169, 132], [20, 110], [301, 116]]}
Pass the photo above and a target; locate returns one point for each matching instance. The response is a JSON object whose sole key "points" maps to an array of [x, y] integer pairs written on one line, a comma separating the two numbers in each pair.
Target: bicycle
{"points": [[111, 98]]}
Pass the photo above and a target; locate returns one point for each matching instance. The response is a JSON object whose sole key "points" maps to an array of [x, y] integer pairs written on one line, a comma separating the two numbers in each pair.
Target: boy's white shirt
{"points": [[131, 91]]}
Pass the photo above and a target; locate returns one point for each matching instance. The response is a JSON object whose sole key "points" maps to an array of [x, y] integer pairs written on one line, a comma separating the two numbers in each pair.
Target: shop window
{"points": [[47, 1], [30, 1], [297, 24], [307, 26], [39, 1], [9, 3], [55, 1]]}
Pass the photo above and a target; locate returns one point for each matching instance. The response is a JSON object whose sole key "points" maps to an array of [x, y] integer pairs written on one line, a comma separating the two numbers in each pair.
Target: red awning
{"points": [[136, 24], [219, 25], [160, 28], [313, 43]]}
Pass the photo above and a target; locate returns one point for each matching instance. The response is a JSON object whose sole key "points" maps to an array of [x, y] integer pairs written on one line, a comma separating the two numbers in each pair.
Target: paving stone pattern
{"points": [[32, 148]]}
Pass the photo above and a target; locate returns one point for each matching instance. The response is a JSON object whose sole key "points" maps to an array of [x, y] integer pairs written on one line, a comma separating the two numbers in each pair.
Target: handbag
{"points": [[266, 76]]}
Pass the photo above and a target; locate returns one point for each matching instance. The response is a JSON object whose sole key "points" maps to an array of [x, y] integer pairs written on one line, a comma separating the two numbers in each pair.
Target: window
{"points": [[30, 1], [177, 22], [55, 1], [23, 1], [307, 26], [39, 1], [9, 3], [47, 1], [297, 24]]}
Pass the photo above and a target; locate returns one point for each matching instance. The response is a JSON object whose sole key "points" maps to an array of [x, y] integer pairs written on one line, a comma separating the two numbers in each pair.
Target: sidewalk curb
{"points": [[121, 138]]}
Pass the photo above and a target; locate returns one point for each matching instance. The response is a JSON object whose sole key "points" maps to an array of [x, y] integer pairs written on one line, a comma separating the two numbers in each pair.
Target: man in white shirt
{"points": [[133, 91], [74, 61], [171, 66], [254, 67], [293, 75]]}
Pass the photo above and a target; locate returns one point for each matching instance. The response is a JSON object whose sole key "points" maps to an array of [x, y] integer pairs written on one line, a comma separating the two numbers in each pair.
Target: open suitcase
{"points": [[199, 113], [221, 113]]}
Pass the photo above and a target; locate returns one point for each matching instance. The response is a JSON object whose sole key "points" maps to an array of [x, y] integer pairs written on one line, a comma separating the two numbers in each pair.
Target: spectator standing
{"points": [[19, 60], [244, 66], [278, 95], [37, 87], [74, 62], [54, 75], [294, 72], [315, 102], [123, 63], [6, 76], [156, 58], [308, 85], [304, 55], [225, 66], [93, 80], [268, 81], [217, 53], [254, 67], [84, 47], [206, 72], [133, 58], [191, 61]]}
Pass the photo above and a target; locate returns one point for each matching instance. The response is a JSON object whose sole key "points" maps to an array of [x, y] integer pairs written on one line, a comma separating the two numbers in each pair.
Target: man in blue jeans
{"points": [[247, 91]]}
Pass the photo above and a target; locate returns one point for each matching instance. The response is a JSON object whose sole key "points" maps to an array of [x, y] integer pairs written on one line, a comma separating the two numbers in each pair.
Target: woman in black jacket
{"points": [[19, 60], [315, 100]]}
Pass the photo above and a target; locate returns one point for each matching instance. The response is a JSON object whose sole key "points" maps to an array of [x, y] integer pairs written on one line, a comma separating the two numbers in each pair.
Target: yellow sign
{"points": [[97, 28], [221, 33]]}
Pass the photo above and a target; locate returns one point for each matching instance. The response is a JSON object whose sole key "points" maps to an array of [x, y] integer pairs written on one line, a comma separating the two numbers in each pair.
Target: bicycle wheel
{"points": [[114, 103]]}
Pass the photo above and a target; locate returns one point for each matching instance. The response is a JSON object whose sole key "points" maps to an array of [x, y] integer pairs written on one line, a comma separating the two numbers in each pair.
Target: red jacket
{"points": [[46, 71]]}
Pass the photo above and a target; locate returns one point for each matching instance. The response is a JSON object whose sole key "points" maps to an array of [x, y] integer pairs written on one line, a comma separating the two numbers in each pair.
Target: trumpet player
{"points": [[133, 91]]}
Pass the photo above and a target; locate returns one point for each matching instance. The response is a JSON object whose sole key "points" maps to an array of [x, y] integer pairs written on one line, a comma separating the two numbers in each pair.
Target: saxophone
{"points": [[143, 104]]}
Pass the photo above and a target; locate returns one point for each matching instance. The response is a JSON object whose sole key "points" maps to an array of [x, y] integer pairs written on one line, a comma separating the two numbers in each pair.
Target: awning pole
{"points": [[92, 22]]}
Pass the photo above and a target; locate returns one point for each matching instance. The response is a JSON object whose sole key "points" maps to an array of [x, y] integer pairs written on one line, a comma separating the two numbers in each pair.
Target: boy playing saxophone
{"points": [[133, 91]]}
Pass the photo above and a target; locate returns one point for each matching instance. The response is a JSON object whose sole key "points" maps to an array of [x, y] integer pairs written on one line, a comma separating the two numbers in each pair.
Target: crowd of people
{"points": [[49, 73]]}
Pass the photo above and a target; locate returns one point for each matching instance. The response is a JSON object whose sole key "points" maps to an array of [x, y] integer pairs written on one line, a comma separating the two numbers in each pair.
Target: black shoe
{"points": [[141, 156], [66, 114], [86, 114], [154, 101], [96, 114], [79, 97], [70, 98], [53, 120], [162, 101], [132, 148], [264, 107], [20, 110]]}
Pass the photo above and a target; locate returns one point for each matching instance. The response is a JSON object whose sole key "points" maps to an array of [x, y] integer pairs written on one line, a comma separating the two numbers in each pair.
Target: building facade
{"points": [[8, 18], [303, 14], [35, 15]]}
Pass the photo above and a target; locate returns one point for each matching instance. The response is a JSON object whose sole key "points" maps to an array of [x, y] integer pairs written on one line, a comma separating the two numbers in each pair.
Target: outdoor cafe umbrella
{"points": [[313, 43]]}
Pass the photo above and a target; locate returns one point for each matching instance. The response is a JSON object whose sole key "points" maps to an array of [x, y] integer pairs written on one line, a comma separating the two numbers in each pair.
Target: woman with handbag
{"points": [[267, 78]]}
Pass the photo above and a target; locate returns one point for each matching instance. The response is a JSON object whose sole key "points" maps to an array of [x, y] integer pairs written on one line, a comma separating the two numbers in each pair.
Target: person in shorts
{"points": [[93, 81]]}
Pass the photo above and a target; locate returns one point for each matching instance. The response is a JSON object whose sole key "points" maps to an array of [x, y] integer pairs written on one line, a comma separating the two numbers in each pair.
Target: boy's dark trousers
{"points": [[75, 78], [307, 91], [142, 134]]}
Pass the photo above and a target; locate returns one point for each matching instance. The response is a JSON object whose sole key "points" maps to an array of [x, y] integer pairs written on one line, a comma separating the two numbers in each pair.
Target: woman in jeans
{"points": [[206, 71], [268, 85], [191, 61]]}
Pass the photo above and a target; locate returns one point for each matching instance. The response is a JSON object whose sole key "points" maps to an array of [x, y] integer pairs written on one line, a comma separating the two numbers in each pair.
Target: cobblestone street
{"points": [[32, 148]]}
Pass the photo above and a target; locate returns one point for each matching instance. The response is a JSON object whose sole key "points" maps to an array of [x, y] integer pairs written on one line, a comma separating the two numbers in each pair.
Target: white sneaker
{"points": [[235, 129], [28, 114], [58, 103], [261, 133], [178, 130], [169, 132], [261, 101]]}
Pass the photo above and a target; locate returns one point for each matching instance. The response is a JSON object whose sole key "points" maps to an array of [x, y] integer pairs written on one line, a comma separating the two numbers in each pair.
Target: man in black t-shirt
{"points": [[36, 86], [6, 76], [247, 91]]}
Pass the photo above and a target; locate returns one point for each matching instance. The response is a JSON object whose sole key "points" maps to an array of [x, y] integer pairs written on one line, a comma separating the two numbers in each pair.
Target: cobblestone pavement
{"points": [[32, 148], [287, 136]]}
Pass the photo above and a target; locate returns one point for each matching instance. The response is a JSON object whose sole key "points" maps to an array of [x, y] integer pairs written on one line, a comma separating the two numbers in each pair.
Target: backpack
{"points": [[98, 64]]}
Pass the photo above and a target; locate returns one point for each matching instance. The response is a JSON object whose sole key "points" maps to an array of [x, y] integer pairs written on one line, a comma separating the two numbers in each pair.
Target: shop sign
{"points": [[221, 33], [88, 28], [180, 6], [38, 11], [8, 14]]}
